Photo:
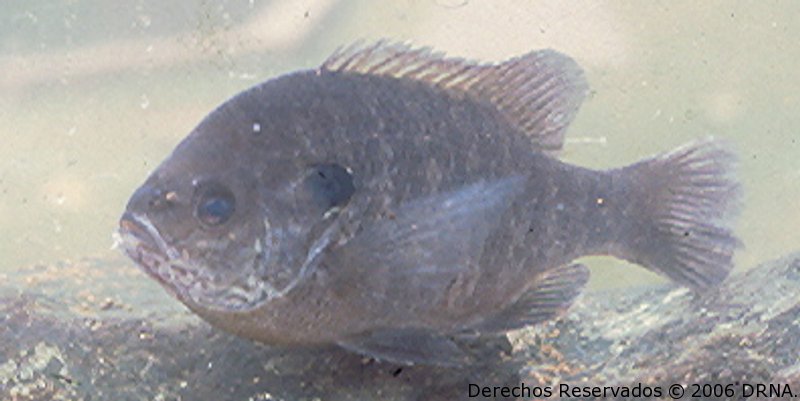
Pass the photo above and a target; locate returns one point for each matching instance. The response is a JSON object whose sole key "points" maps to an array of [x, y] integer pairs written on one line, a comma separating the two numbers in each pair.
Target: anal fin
{"points": [[551, 294]]}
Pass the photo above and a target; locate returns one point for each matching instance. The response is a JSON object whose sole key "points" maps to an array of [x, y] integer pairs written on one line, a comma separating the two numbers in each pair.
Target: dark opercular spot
{"points": [[329, 185], [397, 372], [214, 204]]}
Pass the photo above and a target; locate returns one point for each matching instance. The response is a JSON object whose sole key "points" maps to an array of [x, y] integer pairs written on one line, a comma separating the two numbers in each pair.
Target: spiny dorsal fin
{"points": [[539, 92]]}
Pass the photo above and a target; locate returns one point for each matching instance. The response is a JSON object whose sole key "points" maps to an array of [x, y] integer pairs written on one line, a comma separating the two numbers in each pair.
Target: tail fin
{"points": [[682, 202]]}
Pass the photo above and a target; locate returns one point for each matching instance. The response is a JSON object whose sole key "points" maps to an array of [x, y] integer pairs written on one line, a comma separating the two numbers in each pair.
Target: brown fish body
{"points": [[382, 208]]}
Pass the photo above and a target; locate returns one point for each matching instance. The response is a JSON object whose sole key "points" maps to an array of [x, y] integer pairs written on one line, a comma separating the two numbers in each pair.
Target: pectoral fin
{"points": [[429, 240]]}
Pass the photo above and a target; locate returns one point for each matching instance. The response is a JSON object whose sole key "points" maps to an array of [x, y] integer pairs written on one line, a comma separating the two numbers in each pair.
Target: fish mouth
{"points": [[142, 242], [188, 282]]}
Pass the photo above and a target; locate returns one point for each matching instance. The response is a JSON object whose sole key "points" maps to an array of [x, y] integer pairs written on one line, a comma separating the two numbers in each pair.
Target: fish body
{"points": [[393, 199]]}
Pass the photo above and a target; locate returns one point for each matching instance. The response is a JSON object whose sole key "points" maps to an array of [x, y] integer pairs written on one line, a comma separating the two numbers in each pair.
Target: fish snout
{"points": [[149, 199]]}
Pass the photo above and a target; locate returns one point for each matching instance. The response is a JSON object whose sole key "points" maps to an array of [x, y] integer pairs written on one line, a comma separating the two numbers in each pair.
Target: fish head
{"points": [[218, 223]]}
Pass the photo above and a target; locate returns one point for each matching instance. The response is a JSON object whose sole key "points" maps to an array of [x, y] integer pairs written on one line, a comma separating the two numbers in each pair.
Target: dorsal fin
{"points": [[539, 92]]}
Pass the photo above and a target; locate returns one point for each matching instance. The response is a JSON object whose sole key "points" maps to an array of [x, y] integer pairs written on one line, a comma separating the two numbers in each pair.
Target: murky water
{"points": [[93, 95]]}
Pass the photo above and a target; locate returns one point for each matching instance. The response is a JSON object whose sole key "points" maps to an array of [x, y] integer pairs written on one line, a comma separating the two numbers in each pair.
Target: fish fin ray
{"points": [[552, 293], [685, 201], [539, 93]]}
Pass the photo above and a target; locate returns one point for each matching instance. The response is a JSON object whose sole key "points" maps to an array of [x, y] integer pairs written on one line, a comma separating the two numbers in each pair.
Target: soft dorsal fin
{"points": [[539, 92]]}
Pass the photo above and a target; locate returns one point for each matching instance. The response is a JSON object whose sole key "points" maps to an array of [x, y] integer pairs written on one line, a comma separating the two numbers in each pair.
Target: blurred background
{"points": [[94, 94]]}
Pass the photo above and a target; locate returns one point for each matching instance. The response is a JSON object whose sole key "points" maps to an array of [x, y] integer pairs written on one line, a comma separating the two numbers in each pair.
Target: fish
{"points": [[395, 200]]}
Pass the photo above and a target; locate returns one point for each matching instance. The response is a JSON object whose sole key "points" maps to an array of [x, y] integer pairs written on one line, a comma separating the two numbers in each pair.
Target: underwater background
{"points": [[94, 94]]}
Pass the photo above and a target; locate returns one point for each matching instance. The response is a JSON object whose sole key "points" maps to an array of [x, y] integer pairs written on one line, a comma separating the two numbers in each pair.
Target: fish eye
{"points": [[214, 204]]}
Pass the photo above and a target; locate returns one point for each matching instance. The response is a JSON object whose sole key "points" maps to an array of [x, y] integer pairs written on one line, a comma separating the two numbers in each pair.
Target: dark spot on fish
{"points": [[330, 185], [397, 372]]}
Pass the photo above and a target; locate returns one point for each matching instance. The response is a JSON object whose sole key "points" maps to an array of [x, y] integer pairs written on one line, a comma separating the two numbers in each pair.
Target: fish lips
{"points": [[141, 244]]}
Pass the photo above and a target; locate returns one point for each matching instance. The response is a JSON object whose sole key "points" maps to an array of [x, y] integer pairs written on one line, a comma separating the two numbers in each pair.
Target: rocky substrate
{"points": [[97, 329]]}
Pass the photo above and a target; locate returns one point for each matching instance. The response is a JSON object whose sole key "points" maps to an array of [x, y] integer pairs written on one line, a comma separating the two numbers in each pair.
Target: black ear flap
{"points": [[329, 185]]}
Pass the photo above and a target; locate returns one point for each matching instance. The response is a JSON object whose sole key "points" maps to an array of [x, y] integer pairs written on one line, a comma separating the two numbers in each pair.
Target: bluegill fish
{"points": [[394, 199]]}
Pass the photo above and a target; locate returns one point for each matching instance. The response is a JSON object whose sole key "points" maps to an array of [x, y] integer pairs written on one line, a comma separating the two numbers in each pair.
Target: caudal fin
{"points": [[682, 205]]}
